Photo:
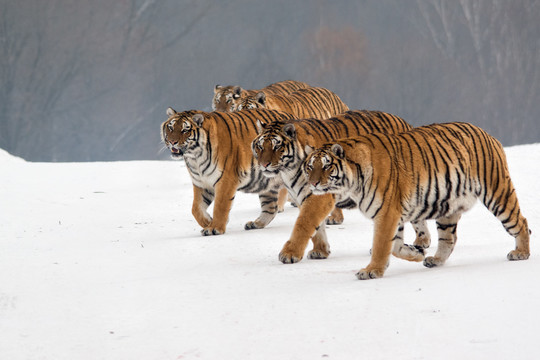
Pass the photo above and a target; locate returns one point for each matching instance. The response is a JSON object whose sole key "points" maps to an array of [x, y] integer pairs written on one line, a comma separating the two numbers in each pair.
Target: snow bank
{"points": [[105, 261]]}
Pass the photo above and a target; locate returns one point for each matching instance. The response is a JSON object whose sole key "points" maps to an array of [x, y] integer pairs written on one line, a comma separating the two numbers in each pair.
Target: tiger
{"points": [[279, 150], [436, 172], [313, 102], [216, 150], [226, 98]]}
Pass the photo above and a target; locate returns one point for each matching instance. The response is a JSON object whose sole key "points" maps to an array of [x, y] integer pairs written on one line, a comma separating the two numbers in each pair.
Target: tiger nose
{"points": [[266, 164], [314, 183]]}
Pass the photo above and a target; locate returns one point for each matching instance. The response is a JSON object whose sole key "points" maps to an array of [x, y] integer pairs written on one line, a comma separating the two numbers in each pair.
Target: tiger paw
{"points": [[211, 231], [366, 274], [517, 255], [335, 218], [250, 225], [422, 241], [334, 221], [289, 254], [288, 259], [318, 254], [409, 252], [432, 261]]}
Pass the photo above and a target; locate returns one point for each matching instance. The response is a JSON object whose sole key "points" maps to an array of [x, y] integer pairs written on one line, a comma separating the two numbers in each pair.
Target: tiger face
{"points": [[252, 102], [274, 147], [226, 98], [181, 133], [326, 170]]}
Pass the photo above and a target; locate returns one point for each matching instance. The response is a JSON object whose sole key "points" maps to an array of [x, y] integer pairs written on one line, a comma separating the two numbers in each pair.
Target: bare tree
{"points": [[500, 40]]}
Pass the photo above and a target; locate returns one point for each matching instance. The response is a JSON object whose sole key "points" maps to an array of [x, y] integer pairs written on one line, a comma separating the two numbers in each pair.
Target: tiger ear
{"points": [[171, 111], [338, 150], [308, 149], [217, 88], [290, 131], [237, 91], [261, 98], [198, 119], [260, 126]]}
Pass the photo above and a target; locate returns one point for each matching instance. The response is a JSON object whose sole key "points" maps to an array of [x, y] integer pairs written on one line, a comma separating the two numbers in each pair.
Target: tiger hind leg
{"points": [[521, 233], [521, 251], [507, 210], [446, 228], [269, 209], [405, 251]]}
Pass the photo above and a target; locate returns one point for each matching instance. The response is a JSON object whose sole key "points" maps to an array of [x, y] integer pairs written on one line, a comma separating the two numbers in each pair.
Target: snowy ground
{"points": [[105, 261]]}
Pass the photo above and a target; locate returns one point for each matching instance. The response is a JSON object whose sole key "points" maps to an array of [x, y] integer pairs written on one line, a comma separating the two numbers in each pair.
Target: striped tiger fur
{"points": [[313, 102], [226, 98], [217, 153], [280, 149], [431, 172]]}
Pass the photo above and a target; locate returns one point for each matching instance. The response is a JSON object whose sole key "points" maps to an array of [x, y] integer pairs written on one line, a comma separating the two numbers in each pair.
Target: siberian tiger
{"points": [[280, 149], [431, 172], [226, 98], [216, 150], [313, 102]]}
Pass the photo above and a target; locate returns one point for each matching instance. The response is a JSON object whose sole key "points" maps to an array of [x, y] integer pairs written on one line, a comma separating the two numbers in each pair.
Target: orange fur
{"points": [[216, 150], [280, 149], [313, 102], [227, 98], [431, 172]]}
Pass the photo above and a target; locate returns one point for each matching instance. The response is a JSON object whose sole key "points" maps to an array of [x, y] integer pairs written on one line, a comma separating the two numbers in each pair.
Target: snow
{"points": [[105, 261]]}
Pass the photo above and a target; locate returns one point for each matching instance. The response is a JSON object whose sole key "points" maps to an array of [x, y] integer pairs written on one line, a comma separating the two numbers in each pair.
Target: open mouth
{"points": [[176, 153]]}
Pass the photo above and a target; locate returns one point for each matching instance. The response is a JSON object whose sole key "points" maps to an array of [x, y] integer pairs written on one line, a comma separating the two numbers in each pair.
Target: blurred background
{"points": [[91, 80]]}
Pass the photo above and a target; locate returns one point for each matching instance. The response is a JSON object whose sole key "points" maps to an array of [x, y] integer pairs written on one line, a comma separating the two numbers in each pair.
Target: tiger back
{"points": [[227, 98], [313, 102], [217, 153], [431, 172], [280, 149]]}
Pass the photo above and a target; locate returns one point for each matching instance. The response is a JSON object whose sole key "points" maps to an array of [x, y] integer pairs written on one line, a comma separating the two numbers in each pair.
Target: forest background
{"points": [[91, 80]]}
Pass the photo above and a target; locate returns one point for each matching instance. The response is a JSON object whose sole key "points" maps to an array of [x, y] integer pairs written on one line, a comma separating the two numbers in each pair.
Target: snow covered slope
{"points": [[105, 261]]}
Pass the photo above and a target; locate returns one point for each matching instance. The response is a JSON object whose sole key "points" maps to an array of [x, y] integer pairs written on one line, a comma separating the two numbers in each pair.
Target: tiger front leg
{"points": [[321, 247], [313, 211], [225, 192], [269, 209], [385, 228], [202, 198], [282, 199], [423, 237]]}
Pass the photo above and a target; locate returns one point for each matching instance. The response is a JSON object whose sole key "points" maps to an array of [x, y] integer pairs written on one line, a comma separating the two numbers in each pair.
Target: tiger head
{"points": [[327, 170], [252, 102], [182, 134], [276, 148], [226, 98]]}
